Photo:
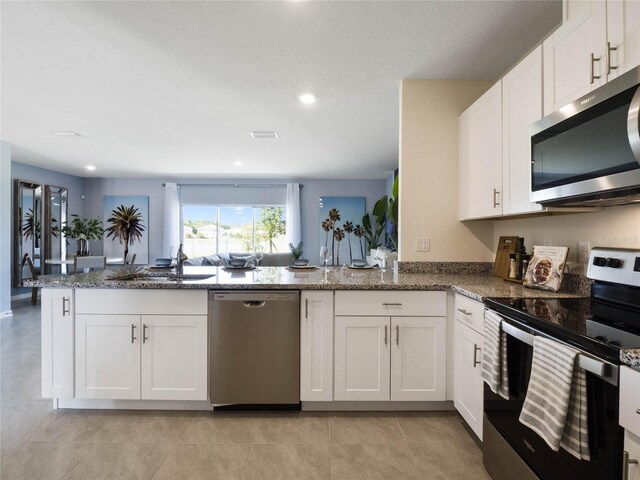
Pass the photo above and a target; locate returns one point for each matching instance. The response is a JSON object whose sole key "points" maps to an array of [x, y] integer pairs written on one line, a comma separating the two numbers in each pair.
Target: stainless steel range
{"points": [[599, 327]]}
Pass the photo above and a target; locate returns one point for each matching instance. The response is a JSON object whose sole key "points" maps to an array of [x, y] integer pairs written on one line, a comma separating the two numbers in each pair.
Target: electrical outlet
{"points": [[423, 244], [583, 251], [547, 243]]}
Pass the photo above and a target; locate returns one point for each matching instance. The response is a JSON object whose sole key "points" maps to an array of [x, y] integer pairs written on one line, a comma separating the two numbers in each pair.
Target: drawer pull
{"points": [[306, 308], [385, 335], [397, 334], [66, 306], [464, 312], [476, 349], [638, 411], [386, 304], [626, 461], [133, 333]]}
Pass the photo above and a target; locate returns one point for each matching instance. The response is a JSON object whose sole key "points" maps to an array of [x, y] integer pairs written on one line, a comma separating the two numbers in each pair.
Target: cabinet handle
{"points": [[476, 349], [144, 333], [594, 59], [306, 308], [638, 411], [609, 50], [385, 335], [463, 311], [496, 203], [626, 461], [386, 304], [133, 333], [66, 305], [397, 334]]}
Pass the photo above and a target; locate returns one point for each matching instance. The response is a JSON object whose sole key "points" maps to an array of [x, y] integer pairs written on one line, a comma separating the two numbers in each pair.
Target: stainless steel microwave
{"points": [[588, 152]]}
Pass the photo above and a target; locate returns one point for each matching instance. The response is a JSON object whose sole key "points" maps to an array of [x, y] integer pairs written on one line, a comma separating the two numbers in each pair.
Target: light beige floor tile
{"points": [[361, 429], [293, 429], [293, 462], [158, 428], [205, 462], [211, 428], [43, 460], [29, 415], [121, 461], [449, 459], [80, 428], [433, 426], [372, 462], [21, 387]]}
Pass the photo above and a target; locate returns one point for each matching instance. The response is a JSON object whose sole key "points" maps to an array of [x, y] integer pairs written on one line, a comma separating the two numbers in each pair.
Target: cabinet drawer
{"points": [[470, 313], [630, 399], [141, 302], [391, 303]]}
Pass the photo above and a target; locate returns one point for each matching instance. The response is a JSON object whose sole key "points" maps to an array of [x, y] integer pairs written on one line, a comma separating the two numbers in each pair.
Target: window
{"points": [[209, 229]]}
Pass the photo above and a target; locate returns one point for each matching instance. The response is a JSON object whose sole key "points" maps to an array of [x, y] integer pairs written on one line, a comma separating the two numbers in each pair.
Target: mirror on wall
{"points": [[55, 217], [27, 230]]}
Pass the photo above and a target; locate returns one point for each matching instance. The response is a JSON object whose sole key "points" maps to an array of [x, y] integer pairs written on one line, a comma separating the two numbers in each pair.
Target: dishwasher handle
{"points": [[254, 303]]}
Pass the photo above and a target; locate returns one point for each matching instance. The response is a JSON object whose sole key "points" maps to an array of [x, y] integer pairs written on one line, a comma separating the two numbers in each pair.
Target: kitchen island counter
{"points": [[475, 286]]}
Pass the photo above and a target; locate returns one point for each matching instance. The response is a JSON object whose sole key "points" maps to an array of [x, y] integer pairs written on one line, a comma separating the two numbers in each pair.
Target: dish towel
{"points": [[493, 369], [556, 403]]}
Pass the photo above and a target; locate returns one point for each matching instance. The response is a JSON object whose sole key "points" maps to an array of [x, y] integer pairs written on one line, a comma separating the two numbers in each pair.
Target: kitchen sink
{"points": [[137, 277]]}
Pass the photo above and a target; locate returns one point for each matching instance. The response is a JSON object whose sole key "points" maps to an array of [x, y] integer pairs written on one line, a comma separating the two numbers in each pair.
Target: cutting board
{"points": [[506, 245]]}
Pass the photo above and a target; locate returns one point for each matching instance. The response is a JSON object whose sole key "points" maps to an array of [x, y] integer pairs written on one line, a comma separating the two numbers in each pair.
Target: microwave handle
{"points": [[633, 125]]}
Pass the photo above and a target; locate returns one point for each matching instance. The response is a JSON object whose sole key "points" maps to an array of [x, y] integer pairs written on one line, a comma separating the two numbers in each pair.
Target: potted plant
{"points": [[296, 250], [83, 230], [125, 224]]}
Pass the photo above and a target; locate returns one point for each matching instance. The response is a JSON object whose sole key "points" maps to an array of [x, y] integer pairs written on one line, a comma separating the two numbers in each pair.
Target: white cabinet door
{"points": [[57, 345], [632, 446], [316, 346], [108, 356], [418, 358], [623, 36], [567, 54], [361, 358], [174, 357], [521, 106], [468, 387], [481, 156]]}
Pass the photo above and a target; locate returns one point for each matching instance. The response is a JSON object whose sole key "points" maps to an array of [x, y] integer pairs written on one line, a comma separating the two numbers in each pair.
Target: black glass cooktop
{"points": [[597, 327]]}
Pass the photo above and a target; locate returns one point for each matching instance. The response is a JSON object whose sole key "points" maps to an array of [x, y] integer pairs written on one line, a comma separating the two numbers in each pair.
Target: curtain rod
{"points": [[235, 185]]}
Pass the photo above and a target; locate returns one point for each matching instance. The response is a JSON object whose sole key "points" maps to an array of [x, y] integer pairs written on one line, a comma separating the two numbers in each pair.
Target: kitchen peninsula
{"points": [[137, 337]]}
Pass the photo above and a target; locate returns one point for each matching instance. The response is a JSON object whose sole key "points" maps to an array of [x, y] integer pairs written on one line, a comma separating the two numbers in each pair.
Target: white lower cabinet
{"points": [[468, 387], [174, 357], [316, 346], [57, 324], [390, 358], [149, 357], [108, 356]]}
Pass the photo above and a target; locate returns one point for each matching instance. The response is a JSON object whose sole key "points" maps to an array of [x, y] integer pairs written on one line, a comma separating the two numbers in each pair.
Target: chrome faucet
{"points": [[180, 258]]}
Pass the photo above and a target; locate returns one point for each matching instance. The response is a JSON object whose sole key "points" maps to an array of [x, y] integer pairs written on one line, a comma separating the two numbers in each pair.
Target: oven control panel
{"points": [[615, 265]]}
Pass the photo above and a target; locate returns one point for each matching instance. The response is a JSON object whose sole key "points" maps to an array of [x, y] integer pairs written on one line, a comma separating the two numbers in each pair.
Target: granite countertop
{"points": [[475, 286], [631, 357]]}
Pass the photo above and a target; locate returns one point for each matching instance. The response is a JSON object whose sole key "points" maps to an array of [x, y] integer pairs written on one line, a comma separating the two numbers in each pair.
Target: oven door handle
{"points": [[585, 362]]}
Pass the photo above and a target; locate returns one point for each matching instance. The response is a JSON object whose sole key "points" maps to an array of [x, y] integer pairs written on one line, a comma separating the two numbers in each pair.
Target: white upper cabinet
{"points": [[521, 106], [597, 41], [481, 156]]}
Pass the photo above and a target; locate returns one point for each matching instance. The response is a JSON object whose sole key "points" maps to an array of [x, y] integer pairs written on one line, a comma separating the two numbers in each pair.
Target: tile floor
{"points": [[40, 443]]}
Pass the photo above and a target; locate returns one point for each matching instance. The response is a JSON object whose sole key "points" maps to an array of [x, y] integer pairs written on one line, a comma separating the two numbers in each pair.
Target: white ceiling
{"points": [[172, 89]]}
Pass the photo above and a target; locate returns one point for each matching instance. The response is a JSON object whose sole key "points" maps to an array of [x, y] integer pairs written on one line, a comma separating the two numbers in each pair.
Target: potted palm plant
{"points": [[83, 230], [126, 225]]}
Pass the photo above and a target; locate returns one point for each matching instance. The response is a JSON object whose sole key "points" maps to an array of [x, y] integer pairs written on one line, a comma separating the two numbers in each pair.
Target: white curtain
{"points": [[171, 236], [293, 213]]}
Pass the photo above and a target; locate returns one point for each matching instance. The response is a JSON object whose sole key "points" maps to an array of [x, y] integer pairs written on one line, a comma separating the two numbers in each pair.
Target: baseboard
{"points": [[6, 314], [102, 404], [352, 406]]}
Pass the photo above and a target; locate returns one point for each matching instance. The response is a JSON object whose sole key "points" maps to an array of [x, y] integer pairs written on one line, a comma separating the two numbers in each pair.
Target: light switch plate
{"points": [[584, 249], [423, 244]]}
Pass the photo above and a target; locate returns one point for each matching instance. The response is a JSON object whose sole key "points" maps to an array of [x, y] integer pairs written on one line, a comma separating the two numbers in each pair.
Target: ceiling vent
{"points": [[264, 134]]}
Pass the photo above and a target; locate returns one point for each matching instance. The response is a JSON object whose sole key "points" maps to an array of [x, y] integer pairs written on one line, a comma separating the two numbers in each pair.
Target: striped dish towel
{"points": [[493, 369], [556, 403]]}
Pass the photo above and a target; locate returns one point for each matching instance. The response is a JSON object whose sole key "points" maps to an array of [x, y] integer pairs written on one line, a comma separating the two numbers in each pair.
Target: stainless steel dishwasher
{"points": [[254, 347]]}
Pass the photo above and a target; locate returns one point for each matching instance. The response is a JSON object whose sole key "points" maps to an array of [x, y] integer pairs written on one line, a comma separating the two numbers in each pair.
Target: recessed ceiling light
{"points": [[66, 133], [238, 164], [263, 134], [307, 98], [91, 168]]}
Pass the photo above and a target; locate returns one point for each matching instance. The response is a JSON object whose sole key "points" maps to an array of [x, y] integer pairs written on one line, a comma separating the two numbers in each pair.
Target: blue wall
{"points": [[312, 190]]}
